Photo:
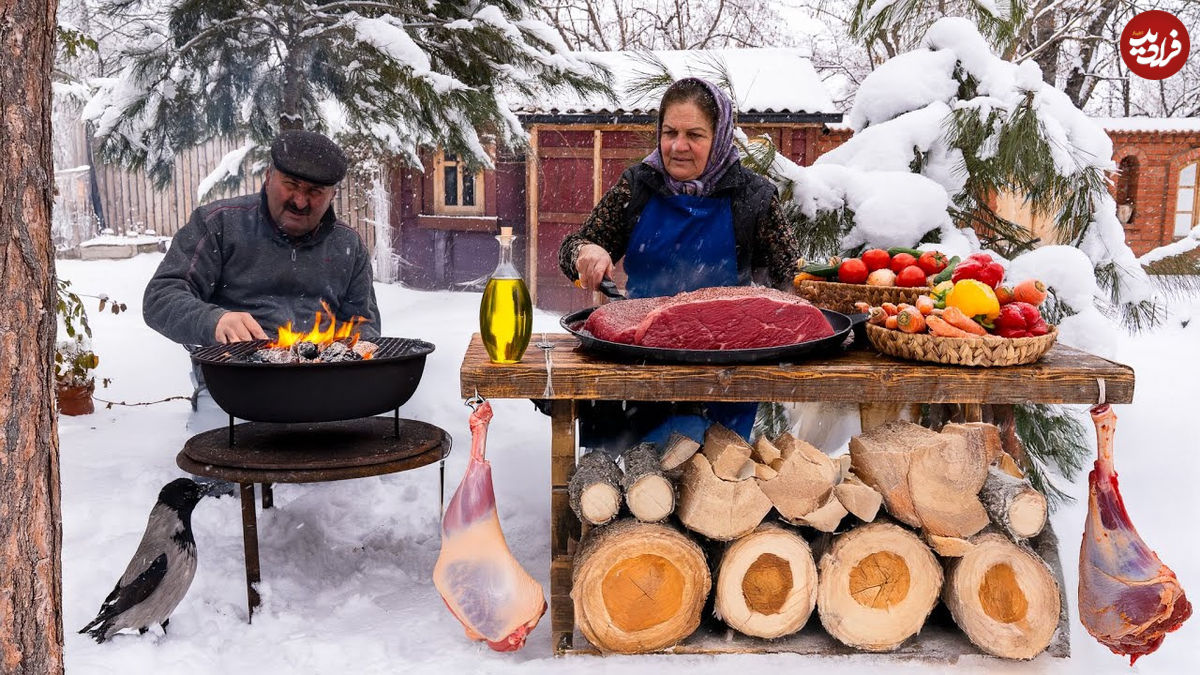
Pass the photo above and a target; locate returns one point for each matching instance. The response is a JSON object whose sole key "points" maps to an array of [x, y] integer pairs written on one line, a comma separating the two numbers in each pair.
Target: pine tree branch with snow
{"points": [[386, 78]]}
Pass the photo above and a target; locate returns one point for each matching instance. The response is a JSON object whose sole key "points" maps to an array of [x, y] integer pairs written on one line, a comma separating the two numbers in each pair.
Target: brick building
{"points": [[1158, 198]]}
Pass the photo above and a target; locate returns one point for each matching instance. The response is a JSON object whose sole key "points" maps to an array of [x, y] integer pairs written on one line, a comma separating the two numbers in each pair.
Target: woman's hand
{"points": [[593, 264]]}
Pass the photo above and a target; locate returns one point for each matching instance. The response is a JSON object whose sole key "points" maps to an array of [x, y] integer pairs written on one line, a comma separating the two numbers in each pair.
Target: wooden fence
{"points": [[130, 202]]}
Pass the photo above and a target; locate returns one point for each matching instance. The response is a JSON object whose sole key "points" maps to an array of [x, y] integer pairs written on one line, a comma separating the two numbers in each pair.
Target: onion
{"points": [[882, 277]]}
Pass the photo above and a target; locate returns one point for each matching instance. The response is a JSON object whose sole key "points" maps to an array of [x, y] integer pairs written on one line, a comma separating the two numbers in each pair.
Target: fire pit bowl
{"points": [[312, 392]]}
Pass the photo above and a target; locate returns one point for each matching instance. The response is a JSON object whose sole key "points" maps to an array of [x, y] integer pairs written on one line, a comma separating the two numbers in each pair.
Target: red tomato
{"points": [[876, 259], [932, 262], [911, 276], [852, 271], [900, 261]]}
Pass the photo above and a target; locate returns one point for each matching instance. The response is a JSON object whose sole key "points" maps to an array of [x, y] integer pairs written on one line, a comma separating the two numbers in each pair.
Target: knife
{"points": [[609, 288]]}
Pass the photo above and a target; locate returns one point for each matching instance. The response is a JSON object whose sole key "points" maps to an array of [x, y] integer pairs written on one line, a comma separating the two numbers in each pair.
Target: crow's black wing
{"points": [[124, 597]]}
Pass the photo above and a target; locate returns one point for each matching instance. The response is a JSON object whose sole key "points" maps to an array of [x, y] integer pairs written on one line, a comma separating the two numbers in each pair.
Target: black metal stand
{"points": [[275, 453]]}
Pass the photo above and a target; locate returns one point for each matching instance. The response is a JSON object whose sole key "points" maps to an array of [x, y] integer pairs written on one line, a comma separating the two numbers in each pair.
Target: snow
{"points": [[229, 166], [763, 80], [1180, 124], [902, 84], [391, 39], [347, 566], [1189, 242], [130, 239]]}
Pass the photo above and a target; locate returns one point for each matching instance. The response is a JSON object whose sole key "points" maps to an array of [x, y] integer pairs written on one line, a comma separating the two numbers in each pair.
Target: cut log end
{"points": [[638, 587], [1027, 515], [595, 490], [599, 504], [878, 583], [1013, 504], [651, 499], [650, 495], [1003, 597], [766, 583]]}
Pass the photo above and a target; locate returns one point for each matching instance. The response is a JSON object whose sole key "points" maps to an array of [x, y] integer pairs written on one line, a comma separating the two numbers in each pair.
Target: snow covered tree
{"points": [[385, 77], [31, 633], [941, 132]]}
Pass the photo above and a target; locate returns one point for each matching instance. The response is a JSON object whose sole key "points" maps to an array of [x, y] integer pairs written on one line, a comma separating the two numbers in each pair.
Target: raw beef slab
{"points": [[711, 318]]}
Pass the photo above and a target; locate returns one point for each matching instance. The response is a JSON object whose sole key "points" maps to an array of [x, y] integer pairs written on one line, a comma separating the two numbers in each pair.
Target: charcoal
{"points": [[273, 356], [336, 351], [364, 348], [307, 350]]}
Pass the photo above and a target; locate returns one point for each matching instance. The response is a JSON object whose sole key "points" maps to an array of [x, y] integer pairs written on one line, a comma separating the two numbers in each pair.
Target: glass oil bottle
{"points": [[506, 312]]}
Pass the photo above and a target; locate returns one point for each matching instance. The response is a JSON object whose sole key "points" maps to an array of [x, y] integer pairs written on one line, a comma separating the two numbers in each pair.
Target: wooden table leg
{"points": [[564, 526], [872, 415], [250, 540]]}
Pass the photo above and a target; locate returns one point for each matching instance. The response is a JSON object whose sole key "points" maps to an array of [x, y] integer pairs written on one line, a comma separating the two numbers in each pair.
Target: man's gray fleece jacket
{"points": [[230, 257]]}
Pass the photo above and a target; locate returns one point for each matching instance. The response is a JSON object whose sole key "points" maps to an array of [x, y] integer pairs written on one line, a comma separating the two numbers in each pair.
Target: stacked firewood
{"points": [[871, 540]]}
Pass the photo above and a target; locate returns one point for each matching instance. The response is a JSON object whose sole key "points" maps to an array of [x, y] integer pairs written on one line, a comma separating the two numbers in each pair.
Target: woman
{"points": [[688, 216]]}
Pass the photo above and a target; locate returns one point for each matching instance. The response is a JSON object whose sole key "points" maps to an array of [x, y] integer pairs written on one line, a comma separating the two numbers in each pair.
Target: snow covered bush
{"points": [[940, 133]]}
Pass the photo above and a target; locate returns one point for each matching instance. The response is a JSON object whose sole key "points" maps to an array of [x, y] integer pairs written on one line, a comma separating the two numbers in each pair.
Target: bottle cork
{"points": [[505, 231]]}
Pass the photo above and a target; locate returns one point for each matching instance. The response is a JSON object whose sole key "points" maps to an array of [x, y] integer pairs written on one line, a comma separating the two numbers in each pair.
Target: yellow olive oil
{"points": [[506, 319], [506, 311]]}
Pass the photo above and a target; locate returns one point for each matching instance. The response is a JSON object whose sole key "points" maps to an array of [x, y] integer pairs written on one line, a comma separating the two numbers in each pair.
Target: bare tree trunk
{"points": [[1043, 30], [1087, 52], [31, 636]]}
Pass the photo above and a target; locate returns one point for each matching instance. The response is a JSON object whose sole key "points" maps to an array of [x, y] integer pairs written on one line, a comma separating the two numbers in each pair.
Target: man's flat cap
{"points": [[308, 156]]}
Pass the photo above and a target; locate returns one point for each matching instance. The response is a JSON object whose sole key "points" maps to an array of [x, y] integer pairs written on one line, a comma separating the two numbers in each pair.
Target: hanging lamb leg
{"points": [[485, 588], [1128, 599]]}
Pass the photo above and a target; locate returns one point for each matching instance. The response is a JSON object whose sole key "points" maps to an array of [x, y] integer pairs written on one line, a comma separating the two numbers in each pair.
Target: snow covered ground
{"points": [[347, 566]]}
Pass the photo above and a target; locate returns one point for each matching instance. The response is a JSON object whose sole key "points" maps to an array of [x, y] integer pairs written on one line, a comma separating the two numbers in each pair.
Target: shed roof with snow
{"points": [[769, 84], [1151, 124]]}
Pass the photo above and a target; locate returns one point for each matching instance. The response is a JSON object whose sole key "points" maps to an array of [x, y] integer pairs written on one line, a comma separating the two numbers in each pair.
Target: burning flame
{"points": [[320, 335]]}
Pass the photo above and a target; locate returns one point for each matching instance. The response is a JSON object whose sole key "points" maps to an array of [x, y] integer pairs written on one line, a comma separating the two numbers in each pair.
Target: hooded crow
{"points": [[161, 570]]}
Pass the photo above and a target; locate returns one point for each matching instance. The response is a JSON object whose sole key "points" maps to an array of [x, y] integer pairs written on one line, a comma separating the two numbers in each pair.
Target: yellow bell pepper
{"points": [[940, 292], [975, 299]]}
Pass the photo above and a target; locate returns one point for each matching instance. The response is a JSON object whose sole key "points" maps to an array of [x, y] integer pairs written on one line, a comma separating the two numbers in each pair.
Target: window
{"points": [[1187, 205], [456, 190]]}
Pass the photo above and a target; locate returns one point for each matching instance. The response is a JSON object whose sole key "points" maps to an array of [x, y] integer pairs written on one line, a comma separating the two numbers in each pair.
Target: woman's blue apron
{"points": [[683, 243]]}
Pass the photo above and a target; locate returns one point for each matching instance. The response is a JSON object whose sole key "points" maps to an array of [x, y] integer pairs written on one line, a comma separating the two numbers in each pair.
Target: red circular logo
{"points": [[1155, 45]]}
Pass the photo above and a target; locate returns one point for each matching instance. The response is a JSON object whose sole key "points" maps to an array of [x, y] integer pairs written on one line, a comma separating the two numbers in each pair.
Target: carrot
{"points": [[1004, 294], [863, 307], [911, 320], [877, 316], [955, 317], [940, 328], [891, 323], [1031, 291], [902, 306], [925, 305], [890, 308]]}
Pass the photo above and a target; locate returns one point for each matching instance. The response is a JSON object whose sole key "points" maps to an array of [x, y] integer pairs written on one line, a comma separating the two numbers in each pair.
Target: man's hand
{"points": [[238, 327], [593, 264]]}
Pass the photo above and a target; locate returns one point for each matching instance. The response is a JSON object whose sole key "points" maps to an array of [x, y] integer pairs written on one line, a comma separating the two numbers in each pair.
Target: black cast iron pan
{"points": [[841, 323]]}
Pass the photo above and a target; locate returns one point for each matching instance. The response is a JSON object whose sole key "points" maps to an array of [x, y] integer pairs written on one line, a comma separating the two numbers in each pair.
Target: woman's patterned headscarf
{"points": [[721, 155]]}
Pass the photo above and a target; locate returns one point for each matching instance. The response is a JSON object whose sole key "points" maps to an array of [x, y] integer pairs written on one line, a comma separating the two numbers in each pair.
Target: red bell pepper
{"points": [[1020, 319], [979, 266]]}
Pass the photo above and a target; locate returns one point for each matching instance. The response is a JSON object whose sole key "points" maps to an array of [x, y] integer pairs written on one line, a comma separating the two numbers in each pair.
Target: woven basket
{"points": [[841, 297], [974, 351]]}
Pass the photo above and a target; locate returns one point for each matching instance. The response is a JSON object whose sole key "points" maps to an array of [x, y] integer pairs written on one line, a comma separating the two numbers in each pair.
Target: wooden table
{"points": [[1063, 375]]}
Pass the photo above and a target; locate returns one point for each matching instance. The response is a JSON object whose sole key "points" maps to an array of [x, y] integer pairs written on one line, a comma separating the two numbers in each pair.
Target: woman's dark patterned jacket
{"points": [[766, 245]]}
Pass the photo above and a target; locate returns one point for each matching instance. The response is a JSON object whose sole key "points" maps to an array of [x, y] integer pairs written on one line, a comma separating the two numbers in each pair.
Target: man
{"points": [[242, 267]]}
